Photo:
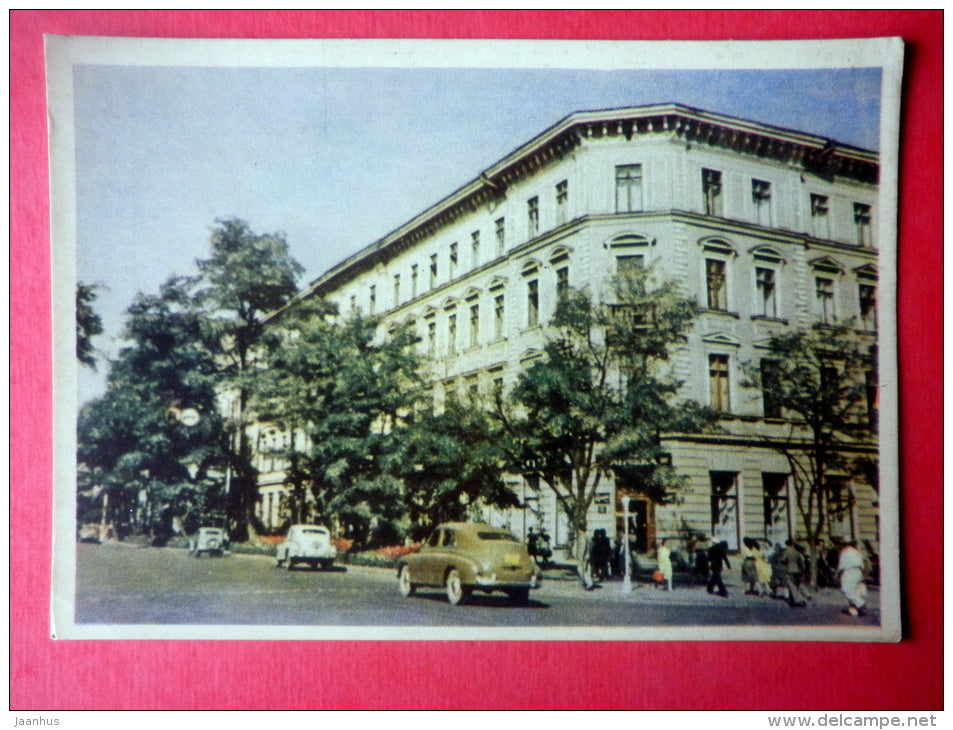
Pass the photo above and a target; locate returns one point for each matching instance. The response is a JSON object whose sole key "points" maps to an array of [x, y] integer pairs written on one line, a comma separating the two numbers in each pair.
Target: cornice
{"points": [[815, 155]]}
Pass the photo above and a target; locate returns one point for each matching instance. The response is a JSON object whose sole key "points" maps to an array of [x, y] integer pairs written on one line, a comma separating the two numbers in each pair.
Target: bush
{"points": [[395, 551]]}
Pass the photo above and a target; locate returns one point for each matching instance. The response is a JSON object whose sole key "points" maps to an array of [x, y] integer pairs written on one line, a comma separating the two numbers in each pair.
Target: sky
{"points": [[335, 158]]}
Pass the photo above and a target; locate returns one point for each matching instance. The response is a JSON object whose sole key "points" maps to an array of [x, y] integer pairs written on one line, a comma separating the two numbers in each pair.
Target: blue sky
{"points": [[337, 157]]}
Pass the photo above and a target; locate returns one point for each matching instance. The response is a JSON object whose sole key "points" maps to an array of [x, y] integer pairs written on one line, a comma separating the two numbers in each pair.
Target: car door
{"points": [[433, 558]]}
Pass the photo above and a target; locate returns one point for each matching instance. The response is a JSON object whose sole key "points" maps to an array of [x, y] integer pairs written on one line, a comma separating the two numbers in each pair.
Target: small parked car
{"points": [[463, 557], [208, 540], [309, 544]]}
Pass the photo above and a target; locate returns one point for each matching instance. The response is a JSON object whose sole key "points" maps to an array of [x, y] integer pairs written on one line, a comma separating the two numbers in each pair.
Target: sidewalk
{"points": [[563, 578]]}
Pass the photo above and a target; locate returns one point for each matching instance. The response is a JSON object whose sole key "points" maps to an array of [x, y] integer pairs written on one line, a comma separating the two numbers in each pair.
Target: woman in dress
{"points": [[664, 556]]}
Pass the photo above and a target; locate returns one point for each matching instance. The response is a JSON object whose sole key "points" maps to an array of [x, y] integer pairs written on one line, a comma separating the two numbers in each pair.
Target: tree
{"points": [[139, 456], [448, 461], [600, 398], [341, 392], [88, 324], [246, 276], [821, 379]]}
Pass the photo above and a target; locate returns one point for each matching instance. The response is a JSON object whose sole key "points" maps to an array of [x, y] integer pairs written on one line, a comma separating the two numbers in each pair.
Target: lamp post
{"points": [[627, 580]]}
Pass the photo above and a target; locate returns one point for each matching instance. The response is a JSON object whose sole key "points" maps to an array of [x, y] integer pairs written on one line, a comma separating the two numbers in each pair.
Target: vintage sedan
{"points": [[309, 544], [466, 557], [210, 541]]}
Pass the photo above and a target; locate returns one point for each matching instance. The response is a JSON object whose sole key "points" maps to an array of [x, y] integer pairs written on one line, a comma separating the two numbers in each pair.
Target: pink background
{"points": [[50, 675]]}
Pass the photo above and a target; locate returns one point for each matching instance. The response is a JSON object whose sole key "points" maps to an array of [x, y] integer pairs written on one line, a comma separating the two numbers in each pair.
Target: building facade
{"points": [[766, 228]]}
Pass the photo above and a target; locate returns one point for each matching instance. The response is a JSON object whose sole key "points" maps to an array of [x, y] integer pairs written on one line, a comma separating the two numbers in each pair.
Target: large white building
{"points": [[767, 228]]}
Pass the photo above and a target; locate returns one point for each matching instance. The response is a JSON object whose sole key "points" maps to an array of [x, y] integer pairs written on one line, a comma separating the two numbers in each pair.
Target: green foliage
{"points": [[601, 397], [88, 324], [131, 439], [449, 460], [342, 392], [822, 380]]}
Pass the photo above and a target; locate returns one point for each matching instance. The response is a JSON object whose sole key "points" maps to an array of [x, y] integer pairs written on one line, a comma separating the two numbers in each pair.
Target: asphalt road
{"points": [[118, 584]]}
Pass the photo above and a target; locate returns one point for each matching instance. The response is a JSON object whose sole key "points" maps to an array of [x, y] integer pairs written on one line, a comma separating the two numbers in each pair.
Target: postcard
{"points": [[495, 340]]}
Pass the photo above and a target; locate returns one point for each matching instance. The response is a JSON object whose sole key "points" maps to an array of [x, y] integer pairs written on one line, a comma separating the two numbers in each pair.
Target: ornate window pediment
{"points": [[867, 271], [717, 246], [497, 283], [827, 265], [721, 338], [766, 253], [559, 254], [626, 240], [530, 267]]}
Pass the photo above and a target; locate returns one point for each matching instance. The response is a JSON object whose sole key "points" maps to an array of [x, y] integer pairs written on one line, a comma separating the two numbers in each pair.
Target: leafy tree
{"points": [[88, 324], [601, 396], [821, 379], [341, 392], [449, 460], [246, 276], [137, 454]]}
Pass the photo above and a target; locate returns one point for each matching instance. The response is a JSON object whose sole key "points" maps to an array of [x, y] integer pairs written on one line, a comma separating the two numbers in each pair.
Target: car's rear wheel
{"points": [[403, 581], [455, 590]]}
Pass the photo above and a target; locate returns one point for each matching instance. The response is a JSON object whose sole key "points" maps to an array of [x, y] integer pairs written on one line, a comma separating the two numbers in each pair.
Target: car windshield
{"points": [[504, 536], [313, 531]]}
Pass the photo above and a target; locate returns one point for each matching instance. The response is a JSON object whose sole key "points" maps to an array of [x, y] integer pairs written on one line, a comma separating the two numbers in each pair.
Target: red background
{"points": [[50, 675]]}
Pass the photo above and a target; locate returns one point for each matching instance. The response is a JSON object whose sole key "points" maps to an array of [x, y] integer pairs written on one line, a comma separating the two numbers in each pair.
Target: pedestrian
{"points": [[601, 553], [850, 568], [718, 558], [791, 566], [701, 561], [664, 557], [762, 570], [749, 570]]}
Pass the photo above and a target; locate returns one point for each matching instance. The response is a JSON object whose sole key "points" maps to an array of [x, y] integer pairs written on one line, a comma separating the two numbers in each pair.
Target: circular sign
{"points": [[190, 417]]}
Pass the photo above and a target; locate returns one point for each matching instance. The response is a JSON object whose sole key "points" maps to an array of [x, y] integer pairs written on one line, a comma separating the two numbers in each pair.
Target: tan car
{"points": [[463, 557]]}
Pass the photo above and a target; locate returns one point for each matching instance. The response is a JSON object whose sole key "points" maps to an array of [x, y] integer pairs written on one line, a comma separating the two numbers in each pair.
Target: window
{"points": [[775, 491], [761, 197], [766, 285], [862, 224], [628, 188], [716, 281], [474, 325], [840, 508], [452, 333], [475, 249], [453, 260], [770, 384], [413, 281], [718, 380], [433, 270], [532, 303], [499, 314], [711, 189], [532, 211], [824, 299], [867, 294], [562, 281], [820, 218], [562, 202], [353, 302], [396, 289], [500, 236], [431, 338], [372, 299], [724, 507]]}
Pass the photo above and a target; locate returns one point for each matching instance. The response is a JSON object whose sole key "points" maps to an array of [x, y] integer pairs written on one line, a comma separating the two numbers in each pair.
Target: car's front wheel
{"points": [[455, 589], [403, 581]]}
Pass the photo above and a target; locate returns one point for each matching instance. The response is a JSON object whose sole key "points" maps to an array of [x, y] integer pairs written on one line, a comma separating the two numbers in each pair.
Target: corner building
{"points": [[766, 228]]}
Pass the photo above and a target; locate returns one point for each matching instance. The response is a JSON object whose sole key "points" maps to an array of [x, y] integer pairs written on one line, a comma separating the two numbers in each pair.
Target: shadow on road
{"points": [[481, 600]]}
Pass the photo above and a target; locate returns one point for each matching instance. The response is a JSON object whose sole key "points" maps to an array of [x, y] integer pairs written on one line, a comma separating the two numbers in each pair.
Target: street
{"points": [[118, 584]]}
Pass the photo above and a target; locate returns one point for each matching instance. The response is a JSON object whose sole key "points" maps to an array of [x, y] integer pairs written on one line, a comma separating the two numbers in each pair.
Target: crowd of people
{"points": [[780, 572]]}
